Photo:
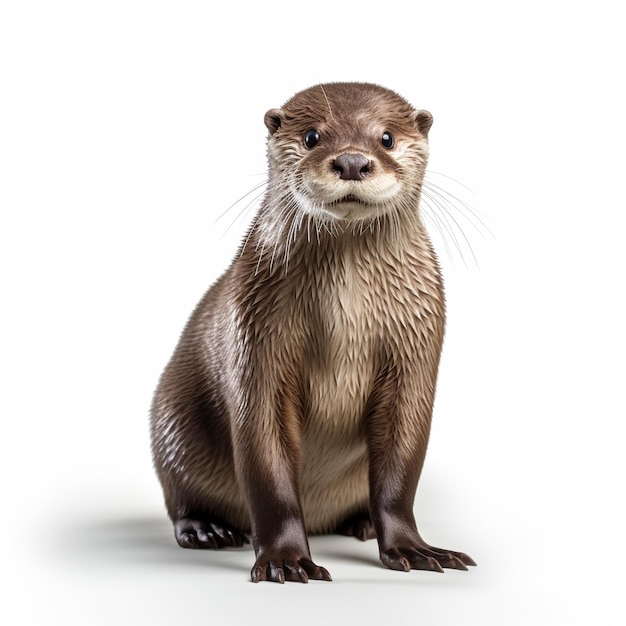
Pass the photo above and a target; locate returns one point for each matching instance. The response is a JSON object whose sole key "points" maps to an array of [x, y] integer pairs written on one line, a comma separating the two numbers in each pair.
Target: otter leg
{"points": [[398, 427], [269, 476], [280, 541], [207, 533]]}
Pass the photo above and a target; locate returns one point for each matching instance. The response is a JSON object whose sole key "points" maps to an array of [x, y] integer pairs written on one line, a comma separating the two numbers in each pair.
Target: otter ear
{"points": [[273, 119], [424, 121]]}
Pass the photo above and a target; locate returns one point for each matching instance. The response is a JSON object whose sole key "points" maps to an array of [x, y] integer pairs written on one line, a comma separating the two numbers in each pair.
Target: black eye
{"points": [[387, 140], [311, 138]]}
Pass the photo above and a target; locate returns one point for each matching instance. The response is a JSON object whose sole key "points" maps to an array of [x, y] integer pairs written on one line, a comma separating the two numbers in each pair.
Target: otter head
{"points": [[352, 151]]}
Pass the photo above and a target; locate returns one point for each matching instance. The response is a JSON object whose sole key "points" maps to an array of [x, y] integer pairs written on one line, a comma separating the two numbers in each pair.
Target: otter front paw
{"points": [[419, 555], [280, 569]]}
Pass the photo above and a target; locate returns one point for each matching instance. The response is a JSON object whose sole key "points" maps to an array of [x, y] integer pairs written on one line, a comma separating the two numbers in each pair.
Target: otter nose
{"points": [[351, 166]]}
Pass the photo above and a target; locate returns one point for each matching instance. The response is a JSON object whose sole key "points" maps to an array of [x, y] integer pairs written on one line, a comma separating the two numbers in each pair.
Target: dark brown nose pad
{"points": [[351, 166]]}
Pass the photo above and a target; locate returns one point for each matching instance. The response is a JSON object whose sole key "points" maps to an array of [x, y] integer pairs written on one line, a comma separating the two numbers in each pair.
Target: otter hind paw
{"points": [[207, 534]]}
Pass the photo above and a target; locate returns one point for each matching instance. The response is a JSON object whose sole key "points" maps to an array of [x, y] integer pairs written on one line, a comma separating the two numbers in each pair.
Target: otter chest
{"points": [[362, 312], [347, 329]]}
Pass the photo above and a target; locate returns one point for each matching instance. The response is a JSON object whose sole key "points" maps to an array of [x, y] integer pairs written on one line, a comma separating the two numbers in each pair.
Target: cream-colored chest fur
{"points": [[339, 373], [364, 307], [340, 362]]}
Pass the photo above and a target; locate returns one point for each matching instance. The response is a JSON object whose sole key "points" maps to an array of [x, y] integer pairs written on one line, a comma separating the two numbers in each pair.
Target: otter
{"points": [[299, 398]]}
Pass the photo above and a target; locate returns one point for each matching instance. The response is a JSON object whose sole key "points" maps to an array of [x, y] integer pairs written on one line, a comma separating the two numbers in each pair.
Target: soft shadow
{"points": [[136, 541]]}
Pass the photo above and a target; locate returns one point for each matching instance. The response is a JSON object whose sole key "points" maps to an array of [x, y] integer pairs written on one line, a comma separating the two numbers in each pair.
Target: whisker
{"points": [[251, 229], [295, 217], [440, 226], [258, 263], [284, 217], [444, 217], [236, 202], [441, 208], [430, 173], [456, 202]]}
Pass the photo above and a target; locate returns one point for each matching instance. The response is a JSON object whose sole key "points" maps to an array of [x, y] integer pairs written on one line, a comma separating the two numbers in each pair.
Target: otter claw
{"points": [[213, 535], [425, 558], [301, 570]]}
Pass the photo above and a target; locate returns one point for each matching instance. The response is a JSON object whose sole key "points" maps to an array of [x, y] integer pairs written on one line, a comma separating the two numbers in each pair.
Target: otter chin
{"points": [[299, 398]]}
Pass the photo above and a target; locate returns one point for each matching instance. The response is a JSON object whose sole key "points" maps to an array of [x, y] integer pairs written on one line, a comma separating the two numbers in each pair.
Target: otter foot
{"points": [[295, 569], [359, 526], [419, 555], [194, 533]]}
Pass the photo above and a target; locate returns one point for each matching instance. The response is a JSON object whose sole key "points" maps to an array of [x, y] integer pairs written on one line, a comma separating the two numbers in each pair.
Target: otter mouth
{"points": [[351, 207], [350, 198]]}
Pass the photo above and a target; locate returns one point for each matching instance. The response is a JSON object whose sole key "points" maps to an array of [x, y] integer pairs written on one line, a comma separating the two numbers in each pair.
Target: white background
{"points": [[127, 128]]}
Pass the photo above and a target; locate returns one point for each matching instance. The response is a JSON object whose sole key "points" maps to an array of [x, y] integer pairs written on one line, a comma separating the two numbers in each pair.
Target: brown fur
{"points": [[299, 398]]}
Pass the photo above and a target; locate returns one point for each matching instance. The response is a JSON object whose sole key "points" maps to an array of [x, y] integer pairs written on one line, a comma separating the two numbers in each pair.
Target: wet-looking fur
{"points": [[299, 398]]}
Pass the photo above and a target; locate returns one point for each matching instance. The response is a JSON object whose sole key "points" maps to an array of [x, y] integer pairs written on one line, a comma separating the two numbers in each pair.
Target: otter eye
{"points": [[311, 138], [387, 140]]}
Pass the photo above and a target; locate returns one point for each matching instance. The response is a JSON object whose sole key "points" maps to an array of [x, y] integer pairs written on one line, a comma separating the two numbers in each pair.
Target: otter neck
{"points": [[283, 235]]}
